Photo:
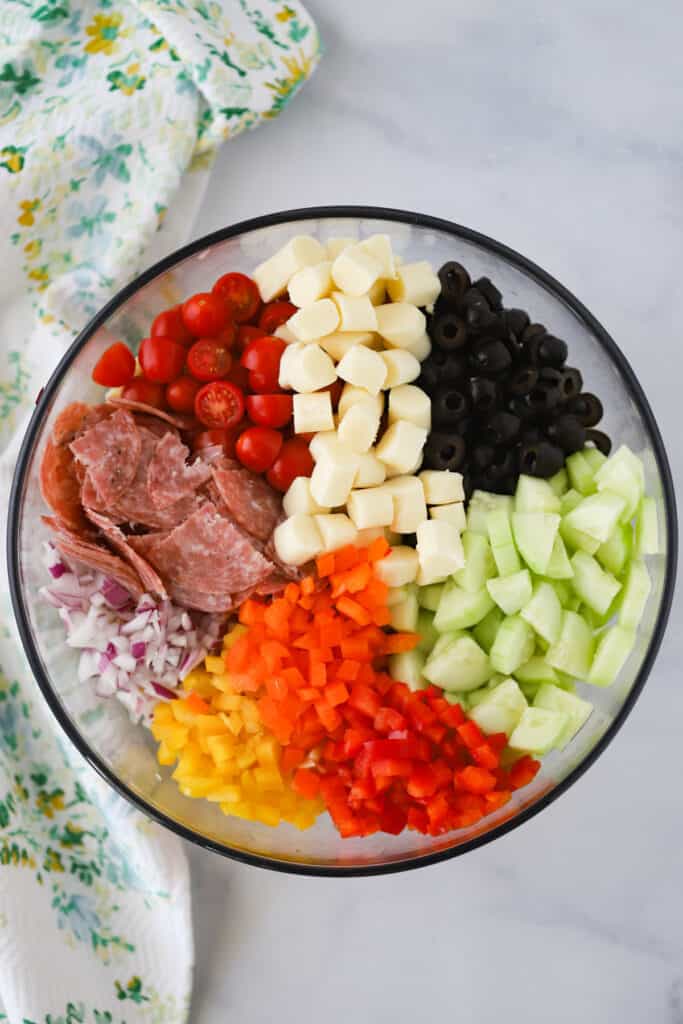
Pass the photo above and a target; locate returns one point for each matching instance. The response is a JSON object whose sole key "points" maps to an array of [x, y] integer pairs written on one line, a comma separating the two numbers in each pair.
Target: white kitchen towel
{"points": [[110, 114]]}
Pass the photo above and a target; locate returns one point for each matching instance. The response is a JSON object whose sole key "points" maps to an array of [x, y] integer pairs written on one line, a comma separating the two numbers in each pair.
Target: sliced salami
{"points": [[250, 500], [76, 418], [60, 486], [110, 451], [94, 556], [203, 602], [175, 419], [149, 577], [169, 477]]}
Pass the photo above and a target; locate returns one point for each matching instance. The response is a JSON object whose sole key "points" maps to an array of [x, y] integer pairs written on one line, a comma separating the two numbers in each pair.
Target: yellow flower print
{"points": [[285, 14], [48, 803], [299, 69], [28, 208], [32, 249], [53, 861], [41, 276], [126, 82], [12, 158], [105, 30]]}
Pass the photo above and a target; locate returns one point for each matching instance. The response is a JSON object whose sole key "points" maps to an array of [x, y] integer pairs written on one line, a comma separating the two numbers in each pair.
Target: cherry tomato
{"points": [[294, 460], [262, 358], [115, 367], [219, 404], [145, 391], [169, 324], [335, 389], [161, 360], [239, 376], [225, 438], [270, 410], [204, 314], [181, 393], [257, 448], [208, 360], [241, 295], [247, 333], [274, 314]]}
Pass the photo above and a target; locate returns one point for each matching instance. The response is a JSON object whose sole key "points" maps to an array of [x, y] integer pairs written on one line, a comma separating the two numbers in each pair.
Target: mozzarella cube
{"points": [[306, 368], [336, 531], [378, 293], [351, 394], [454, 513], [356, 312], [399, 567], [297, 539], [400, 323], [439, 550], [333, 477], [364, 368], [379, 247], [273, 275], [310, 284], [299, 498], [409, 402], [415, 283], [441, 487], [371, 507], [313, 413], [335, 246], [354, 271], [401, 446], [420, 348], [371, 471], [402, 367], [314, 321], [365, 537], [358, 427], [284, 332], [337, 345], [410, 508], [326, 445]]}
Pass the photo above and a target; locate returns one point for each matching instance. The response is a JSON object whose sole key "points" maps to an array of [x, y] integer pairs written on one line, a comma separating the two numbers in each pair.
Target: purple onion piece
{"points": [[163, 691], [138, 649]]}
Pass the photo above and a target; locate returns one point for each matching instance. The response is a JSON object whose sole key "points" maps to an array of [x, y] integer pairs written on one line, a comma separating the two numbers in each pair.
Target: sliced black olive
{"points": [[504, 463], [441, 368], [522, 381], [444, 451], [448, 331], [552, 351], [533, 331], [516, 321], [478, 313], [568, 432], [502, 428], [490, 357], [572, 382], [454, 282], [587, 408], [541, 459], [484, 394], [482, 455], [519, 405], [544, 397], [449, 404], [531, 435], [601, 441], [488, 289], [514, 346]]}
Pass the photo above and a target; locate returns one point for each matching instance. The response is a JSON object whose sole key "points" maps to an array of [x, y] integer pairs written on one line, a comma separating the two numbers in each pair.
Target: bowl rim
{"points": [[341, 212]]}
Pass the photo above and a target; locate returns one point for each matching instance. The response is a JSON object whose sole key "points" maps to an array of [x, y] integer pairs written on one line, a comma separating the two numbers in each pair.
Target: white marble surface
{"points": [[555, 128]]}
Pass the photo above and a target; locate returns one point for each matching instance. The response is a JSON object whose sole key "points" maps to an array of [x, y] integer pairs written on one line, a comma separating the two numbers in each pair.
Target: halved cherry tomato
{"points": [[146, 391], [169, 324], [257, 448], [181, 393], [294, 460], [274, 314], [262, 358], [239, 376], [219, 404], [208, 359], [115, 367], [161, 360], [247, 333], [241, 295], [218, 436], [204, 314], [270, 410]]}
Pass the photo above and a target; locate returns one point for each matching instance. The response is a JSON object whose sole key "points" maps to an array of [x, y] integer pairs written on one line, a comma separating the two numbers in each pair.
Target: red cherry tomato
{"points": [[219, 404], [146, 391], [115, 367], [169, 324], [239, 376], [262, 358], [274, 314], [241, 295], [294, 460], [161, 360], [247, 333], [225, 438], [270, 410], [208, 359], [205, 315], [257, 448], [181, 393]]}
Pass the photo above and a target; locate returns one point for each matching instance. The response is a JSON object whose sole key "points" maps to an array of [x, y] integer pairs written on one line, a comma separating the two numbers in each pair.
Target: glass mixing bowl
{"points": [[124, 753]]}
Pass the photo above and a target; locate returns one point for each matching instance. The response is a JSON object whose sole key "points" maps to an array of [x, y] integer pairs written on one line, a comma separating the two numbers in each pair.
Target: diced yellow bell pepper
{"points": [[221, 748], [175, 735], [195, 787], [231, 638], [225, 793], [165, 755], [226, 702], [214, 664]]}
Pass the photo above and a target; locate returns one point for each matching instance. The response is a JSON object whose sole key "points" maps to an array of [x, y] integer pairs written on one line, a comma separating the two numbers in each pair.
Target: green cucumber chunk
{"points": [[498, 528], [647, 528], [430, 596], [543, 612], [637, 587], [407, 668], [573, 651], [535, 495], [536, 671], [563, 591], [425, 628], [559, 566], [404, 614], [396, 594], [485, 631], [576, 540], [623, 474], [538, 730], [479, 564], [614, 647], [500, 709], [569, 501], [514, 644], [581, 476], [460, 665], [481, 503], [506, 559], [578, 711], [560, 482], [535, 534], [511, 592], [597, 515], [596, 587], [459, 609], [615, 554], [594, 458]]}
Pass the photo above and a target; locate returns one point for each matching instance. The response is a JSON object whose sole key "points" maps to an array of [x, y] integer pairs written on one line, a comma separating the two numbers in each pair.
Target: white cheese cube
{"points": [[402, 367], [415, 283], [335, 246], [441, 487], [299, 498], [401, 446], [297, 539], [371, 507], [379, 247], [358, 427], [371, 471], [326, 445], [399, 567], [284, 332], [336, 531], [273, 275], [356, 312], [337, 345], [314, 321], [420, 348], [289, 361], [313, 413], [364, 368], [454, 513], [439, 550], [365, 537], [351, 394], [332, 479], [400, 323], [306, 368], [410, 508], [310, 284], [411, 403], [354, 271], [378, 293]]}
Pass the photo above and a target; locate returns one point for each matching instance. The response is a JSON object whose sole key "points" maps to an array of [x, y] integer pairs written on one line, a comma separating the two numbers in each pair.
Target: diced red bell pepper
{"points": [[471, 735], [523, 771], [423, 782], [388, 720], [475, 780], [364, 699], [486, 756]]}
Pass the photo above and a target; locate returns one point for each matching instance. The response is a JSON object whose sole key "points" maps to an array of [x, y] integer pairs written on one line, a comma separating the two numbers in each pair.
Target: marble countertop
{"points": [[555, 128]]}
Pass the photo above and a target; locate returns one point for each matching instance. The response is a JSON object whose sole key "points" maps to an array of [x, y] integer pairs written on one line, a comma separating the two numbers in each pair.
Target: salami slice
{"points": [[94, 556], [169, 477], [250, 500], [76, 418], [175, 419], [110, 451], [149, 578], [203, 602], [60, 486]]}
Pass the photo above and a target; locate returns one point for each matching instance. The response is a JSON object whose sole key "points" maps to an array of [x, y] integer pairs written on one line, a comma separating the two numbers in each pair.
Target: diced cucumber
{"points": [[596, 587], [425, 628], [407, 668], [613, 649], [563, 591], [514, 644], [578, 711], [622, 474], [481, 503], [560, 482], [501, 709], [543, 612], [637, 587], [574, 603], [443, 643], [594, 458], [559, 566], [462, 665], [597, 515], [615, 553], [576, 540], [498, 527], [647, 528], [536, 670], [459, 609], [573, 651], [565, 681], [535, 534], [581, 476], [538, 730], [430, 596], [457, 698], [507, 560], [535, 495], [485, 631], [569, 501], [511, 592], [596, 621], [475, 697], [395, 595], [479, 565], [404, 614]]}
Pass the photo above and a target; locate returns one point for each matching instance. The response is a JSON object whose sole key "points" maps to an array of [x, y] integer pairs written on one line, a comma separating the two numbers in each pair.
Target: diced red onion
{"points": [[163, 691], [114, 594], [138, 648]]}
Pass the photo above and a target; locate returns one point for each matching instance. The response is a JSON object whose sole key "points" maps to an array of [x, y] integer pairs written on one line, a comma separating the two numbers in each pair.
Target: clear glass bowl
{"points": [[124, 753]]}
